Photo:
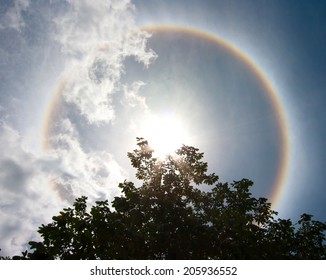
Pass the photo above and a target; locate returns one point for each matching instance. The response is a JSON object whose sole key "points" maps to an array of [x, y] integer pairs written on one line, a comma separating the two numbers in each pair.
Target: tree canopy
{"points": [[170, 217]]}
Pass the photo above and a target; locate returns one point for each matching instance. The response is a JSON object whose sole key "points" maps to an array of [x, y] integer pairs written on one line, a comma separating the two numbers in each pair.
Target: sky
{"points": [[241, 80]]}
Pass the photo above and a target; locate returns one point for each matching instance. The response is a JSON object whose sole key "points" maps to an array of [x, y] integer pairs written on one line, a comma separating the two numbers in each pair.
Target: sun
{"points": [[165, 133]]}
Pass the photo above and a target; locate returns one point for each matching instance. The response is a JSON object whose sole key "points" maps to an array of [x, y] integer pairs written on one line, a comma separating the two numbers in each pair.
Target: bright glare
{"points": [[165, 134]]}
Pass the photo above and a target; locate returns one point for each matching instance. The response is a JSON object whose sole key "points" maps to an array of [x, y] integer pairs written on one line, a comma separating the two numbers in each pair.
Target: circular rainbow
{"points": [[273, 97]]}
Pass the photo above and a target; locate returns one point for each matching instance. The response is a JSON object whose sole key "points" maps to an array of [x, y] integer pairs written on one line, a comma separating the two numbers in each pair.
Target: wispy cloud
{"points": [[95, 174], [35, 187], [25, 197], [131, 96], [98, 36], [13, 17]]}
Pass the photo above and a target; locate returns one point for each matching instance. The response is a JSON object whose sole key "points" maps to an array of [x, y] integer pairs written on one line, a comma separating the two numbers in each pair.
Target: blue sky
{"points": [[89, 64], [286, 39]]}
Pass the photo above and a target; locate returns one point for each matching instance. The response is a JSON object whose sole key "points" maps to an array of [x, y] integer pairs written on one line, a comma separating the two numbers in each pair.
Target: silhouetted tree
{"points": [[170, 217], [4, 258]]}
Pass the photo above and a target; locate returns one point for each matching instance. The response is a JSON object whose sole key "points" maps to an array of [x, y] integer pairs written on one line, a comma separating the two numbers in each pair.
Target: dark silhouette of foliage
{"points": [[4, 258], [170, 217]]}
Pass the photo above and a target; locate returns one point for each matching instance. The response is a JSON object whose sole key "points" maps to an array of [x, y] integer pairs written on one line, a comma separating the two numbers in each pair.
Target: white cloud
{"points": [[132, 98], [95, 174], [97, 36], [13, 17], [26, 200]]}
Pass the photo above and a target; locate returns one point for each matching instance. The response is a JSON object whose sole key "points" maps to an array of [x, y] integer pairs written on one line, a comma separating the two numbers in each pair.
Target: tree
{"points": [[4, 258], [170, 217]]}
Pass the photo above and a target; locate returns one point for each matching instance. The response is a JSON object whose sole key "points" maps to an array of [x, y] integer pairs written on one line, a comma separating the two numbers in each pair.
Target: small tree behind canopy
{"points": [[170, 217]]}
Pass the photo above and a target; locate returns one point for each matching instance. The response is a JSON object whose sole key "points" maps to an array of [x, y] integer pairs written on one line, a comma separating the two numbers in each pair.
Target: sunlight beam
{"points": [[165, 133]]}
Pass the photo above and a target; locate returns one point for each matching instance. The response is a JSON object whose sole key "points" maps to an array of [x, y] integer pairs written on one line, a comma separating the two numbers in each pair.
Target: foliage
{"points": [[4, 258], [170, 217]]}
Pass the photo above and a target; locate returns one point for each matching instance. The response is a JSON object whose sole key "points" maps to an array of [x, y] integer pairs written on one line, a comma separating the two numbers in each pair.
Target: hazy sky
{"points": [[79, 80]]}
